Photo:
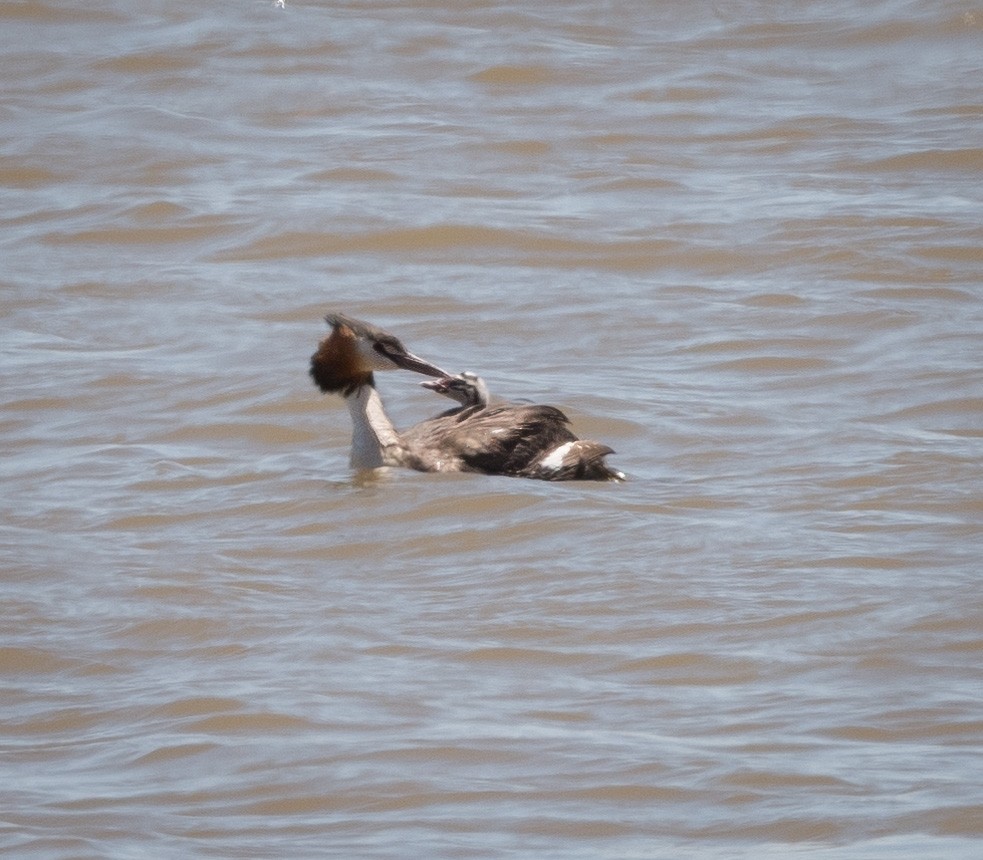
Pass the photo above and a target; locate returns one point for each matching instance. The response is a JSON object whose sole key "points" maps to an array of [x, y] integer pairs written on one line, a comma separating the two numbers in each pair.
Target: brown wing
{"points": [[508, 439], [502, 440]]}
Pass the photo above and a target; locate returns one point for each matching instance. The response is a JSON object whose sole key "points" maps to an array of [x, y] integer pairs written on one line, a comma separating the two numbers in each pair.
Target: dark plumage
{"points": [[517, 440]]}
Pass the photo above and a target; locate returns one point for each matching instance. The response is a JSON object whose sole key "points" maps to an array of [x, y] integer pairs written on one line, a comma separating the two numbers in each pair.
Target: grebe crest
{"points": [[346, 358]]}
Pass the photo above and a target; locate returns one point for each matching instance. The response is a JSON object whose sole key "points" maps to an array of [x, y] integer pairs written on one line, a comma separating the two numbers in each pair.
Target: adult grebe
{"points": [[517, 440]]}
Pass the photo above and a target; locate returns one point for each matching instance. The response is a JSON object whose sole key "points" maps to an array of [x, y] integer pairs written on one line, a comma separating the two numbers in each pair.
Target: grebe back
{"points": [[527, 441]]}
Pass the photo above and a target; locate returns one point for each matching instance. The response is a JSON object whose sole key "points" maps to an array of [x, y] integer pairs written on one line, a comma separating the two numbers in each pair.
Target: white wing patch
{"points": [[553, 461]]}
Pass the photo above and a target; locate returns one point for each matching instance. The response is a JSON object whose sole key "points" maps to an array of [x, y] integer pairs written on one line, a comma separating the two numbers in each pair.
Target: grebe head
{"points": [[346, 358], [466, 388]]}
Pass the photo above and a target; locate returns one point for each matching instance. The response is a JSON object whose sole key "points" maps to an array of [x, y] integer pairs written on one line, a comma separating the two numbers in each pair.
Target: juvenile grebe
{"points": [[466, 388], [525, 441]]}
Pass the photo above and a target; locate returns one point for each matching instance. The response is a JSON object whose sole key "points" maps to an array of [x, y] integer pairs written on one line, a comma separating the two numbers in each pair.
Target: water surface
{"points": [[741, 244]]}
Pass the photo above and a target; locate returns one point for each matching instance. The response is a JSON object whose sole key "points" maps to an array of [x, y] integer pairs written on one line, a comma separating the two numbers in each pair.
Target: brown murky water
{"points": [[741, 243]]}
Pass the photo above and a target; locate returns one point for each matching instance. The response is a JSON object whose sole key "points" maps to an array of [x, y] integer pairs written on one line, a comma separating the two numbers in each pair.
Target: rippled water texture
{"points": [[739, 242]]}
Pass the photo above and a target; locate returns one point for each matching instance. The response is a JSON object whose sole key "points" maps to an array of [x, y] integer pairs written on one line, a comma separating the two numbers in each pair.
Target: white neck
{"points": [[375, 441]]}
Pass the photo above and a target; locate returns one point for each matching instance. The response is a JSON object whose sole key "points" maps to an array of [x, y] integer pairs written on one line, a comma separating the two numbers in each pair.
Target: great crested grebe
{"points": [[527, 441]]}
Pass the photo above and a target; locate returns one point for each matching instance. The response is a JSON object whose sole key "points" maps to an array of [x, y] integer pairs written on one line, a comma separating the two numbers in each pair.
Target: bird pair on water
{"points": [[520, 440]]}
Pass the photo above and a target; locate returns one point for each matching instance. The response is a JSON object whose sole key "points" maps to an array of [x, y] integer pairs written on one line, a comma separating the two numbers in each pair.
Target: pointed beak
{"points": [[408, 361]]}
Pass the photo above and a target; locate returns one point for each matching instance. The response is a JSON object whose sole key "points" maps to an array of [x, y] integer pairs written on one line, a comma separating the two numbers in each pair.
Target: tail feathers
{"points": [[580, 460]]}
